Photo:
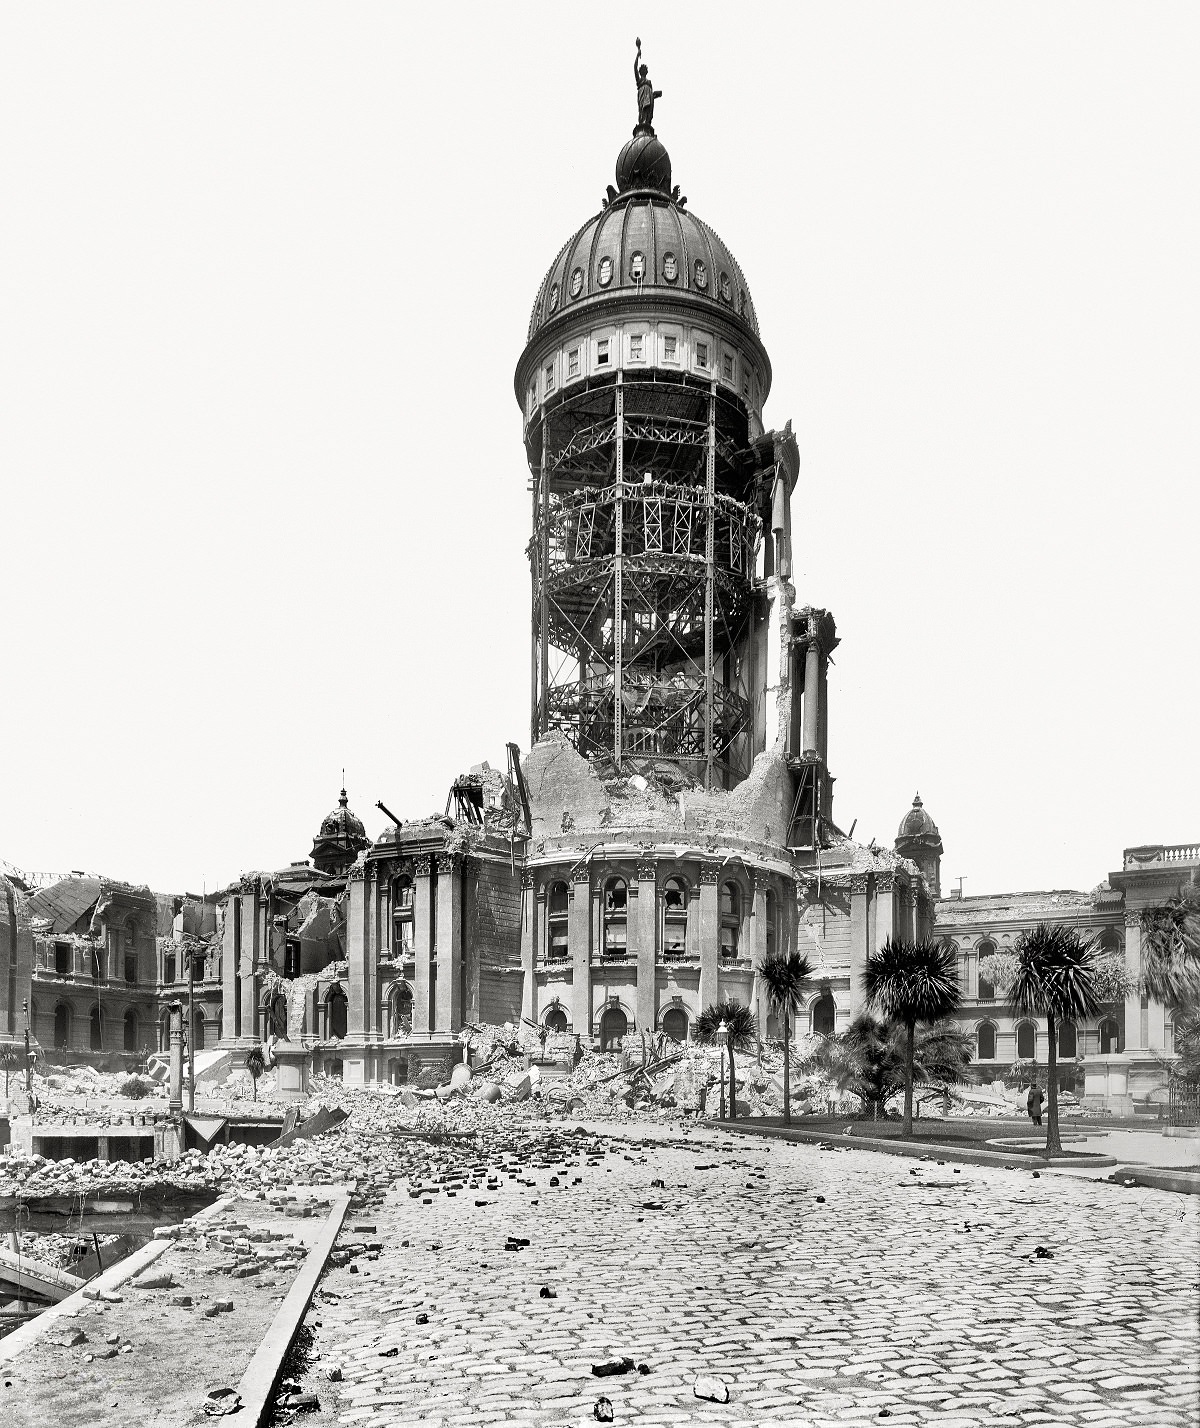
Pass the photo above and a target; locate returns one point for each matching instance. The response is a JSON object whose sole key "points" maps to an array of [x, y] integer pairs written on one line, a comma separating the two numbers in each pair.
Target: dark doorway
{"points": [[337, 1013], [131, 1031], [675, 1024], [62, 1027], [556, 1019], [613, 1026], [95, 1030]]}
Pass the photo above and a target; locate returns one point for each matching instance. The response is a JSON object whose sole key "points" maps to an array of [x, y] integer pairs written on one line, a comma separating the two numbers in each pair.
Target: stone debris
{"points": [[710, 1388]]}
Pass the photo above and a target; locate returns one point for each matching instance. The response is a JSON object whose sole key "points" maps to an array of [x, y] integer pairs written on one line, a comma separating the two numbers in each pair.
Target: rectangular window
{"points": [[701, 354], [573, 362], [131, 969], [550, 377], [728, 367], [602, 352], [635, 347], [670, 349], [62, 959]]}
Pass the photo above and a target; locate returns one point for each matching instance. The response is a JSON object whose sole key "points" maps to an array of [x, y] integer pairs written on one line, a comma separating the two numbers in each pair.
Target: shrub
{"points": [[133, 1088]]}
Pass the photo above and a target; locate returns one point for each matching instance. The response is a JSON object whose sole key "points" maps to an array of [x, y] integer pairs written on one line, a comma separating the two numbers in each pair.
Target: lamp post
{"points": [[722, 1039]]}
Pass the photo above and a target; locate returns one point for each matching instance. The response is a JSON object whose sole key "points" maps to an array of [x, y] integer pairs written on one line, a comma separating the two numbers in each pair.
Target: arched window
{"points": [[335, 1005], [1026, 1041], [1110, 1037], [987, 989], [1067, 1039], [773, 1027], [616, 912], [613, 1026], [400, 1010], [986, 1037], [276, 1017], [731, 920], [62, 1026], [556, 1020], [824, 1015], [675, 1024], [130, 1041], [557, 907], [402, 917], [772, 906], [96, 1030], [1111, 940], [674, 934]]}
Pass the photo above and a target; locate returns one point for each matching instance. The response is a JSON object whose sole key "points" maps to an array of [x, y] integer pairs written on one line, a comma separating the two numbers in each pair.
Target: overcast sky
{"points": [[265, 274]]}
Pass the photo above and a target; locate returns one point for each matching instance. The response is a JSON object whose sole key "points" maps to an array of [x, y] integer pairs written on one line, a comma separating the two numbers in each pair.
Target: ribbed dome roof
{"points": [[643, 241], [916, 823], [341, 823]]}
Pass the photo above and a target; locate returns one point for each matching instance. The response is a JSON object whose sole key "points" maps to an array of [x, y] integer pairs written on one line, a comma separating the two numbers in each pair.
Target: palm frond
{"points": [[1056, 973], [784, 977], [912, 981], [739, 1022]]}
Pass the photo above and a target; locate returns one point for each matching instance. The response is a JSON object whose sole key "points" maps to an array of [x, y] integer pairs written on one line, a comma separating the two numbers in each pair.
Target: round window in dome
{"points": [[726, 288], [637, 267], [701, 275], [576, 282], [604, 271], [553, 297], [670, 267]]}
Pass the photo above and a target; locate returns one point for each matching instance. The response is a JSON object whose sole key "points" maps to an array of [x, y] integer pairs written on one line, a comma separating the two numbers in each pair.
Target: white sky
{"points": [[265, 274]]}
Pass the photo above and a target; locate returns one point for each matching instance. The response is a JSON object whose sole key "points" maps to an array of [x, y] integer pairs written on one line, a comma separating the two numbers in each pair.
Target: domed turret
{"points": [[918, 839], [340, 840]]}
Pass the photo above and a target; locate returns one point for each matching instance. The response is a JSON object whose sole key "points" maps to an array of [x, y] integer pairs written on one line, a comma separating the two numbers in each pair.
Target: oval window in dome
{"points": [[637, 267], [576, 282], [726, 288], [604, 271], [670, 267], [701, 275]]}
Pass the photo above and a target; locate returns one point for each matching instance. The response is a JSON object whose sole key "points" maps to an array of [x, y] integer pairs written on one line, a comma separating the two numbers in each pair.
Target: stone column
{"points": [[756, 945], [579, 936], [710, 933], [359, 961], [529, 905], [422, 940], [860, 945], [812, 699], [884, 896], [449, 941], [1133, 969], [248, 964], [647, 941], [229, 972]]}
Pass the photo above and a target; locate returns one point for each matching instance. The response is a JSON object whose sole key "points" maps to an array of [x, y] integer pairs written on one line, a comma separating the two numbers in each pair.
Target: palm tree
{"points": [[868, 1058], [1055, 979], [1171, 950], [908, 982], [741, 1034], [784, 977], [256, 1065]]}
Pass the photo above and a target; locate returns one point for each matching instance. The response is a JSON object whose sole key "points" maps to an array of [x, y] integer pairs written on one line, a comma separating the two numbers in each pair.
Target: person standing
{"points": [[1033, 1103]]}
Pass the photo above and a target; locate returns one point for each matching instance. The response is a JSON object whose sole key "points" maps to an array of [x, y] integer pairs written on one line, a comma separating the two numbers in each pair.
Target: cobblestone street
{"points": [[821, 1286]]}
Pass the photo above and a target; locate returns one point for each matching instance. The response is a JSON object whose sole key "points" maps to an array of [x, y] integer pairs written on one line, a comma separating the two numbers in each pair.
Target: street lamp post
{"points": [[722, 1039]]}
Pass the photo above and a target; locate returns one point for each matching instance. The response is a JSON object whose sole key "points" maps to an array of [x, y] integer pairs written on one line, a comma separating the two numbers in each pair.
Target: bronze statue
{"points": [[646, 94]]}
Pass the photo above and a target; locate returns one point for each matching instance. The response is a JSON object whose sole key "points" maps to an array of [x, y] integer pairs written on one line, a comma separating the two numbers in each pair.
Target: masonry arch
{"points": [[555, 1018], [1068, 1040], [1026, 1041], [1110, 1037], [675, 1024], [400, 1010], [614, 1027], [985, 1041], [823, 1014]]}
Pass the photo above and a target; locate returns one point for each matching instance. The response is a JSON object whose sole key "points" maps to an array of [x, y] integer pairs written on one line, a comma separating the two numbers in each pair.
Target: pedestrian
{"points": [[1033, 1103]]}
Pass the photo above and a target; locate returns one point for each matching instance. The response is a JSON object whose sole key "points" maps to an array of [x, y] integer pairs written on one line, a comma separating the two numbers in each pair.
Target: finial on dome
{"points": [[917, 800], [646, 95]]}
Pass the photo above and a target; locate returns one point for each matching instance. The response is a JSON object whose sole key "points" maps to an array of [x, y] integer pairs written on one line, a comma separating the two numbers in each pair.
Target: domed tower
{"points": [[341, 839], [919, 839], [657, 497]]}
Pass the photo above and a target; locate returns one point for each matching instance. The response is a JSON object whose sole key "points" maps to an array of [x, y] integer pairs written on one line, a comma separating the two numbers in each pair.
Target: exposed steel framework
{"points": [[646, 537]]}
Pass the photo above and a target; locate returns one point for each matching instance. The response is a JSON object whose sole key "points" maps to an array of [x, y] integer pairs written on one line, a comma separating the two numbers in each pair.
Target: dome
{"points": [[643, 242], [341, 823], [916, 823]]}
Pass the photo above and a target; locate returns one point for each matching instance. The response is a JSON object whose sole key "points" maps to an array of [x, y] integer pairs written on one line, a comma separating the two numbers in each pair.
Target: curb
{"points": [[913, 1149], [257, 1386], [1179, 1182]]}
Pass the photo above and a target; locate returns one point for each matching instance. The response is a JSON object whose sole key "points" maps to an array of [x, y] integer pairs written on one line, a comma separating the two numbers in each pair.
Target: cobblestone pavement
{"points": [[824, 1287]]}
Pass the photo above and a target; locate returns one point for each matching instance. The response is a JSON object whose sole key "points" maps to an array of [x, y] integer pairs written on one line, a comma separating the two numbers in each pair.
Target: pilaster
{"points": [[529, 905], [579, 915], [422, 941], [884, 909], [647, 920], [860, 945], [448, 999], [359, 961], [710, 933]]}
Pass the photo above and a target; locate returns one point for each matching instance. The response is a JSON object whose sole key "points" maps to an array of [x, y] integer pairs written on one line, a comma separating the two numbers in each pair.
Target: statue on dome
{"points": [[646, 94]]}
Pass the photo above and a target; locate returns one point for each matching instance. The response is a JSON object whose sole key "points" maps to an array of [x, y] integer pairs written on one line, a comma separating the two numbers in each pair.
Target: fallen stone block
{"points": [[710, 1388]]}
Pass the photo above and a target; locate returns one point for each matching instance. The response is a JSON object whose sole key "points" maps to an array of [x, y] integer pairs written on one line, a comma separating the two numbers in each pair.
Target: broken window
{"points": [[573, 362], [169, 968], [615, 917], [674, 937], [670, 349], [701, 354], [635, 347], [557, 949], [62, 959], [731, 920], [291, 958], [550, 376], [131, 968], [602, 352], [824, 1014], [728, 367], [402, 917]]}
